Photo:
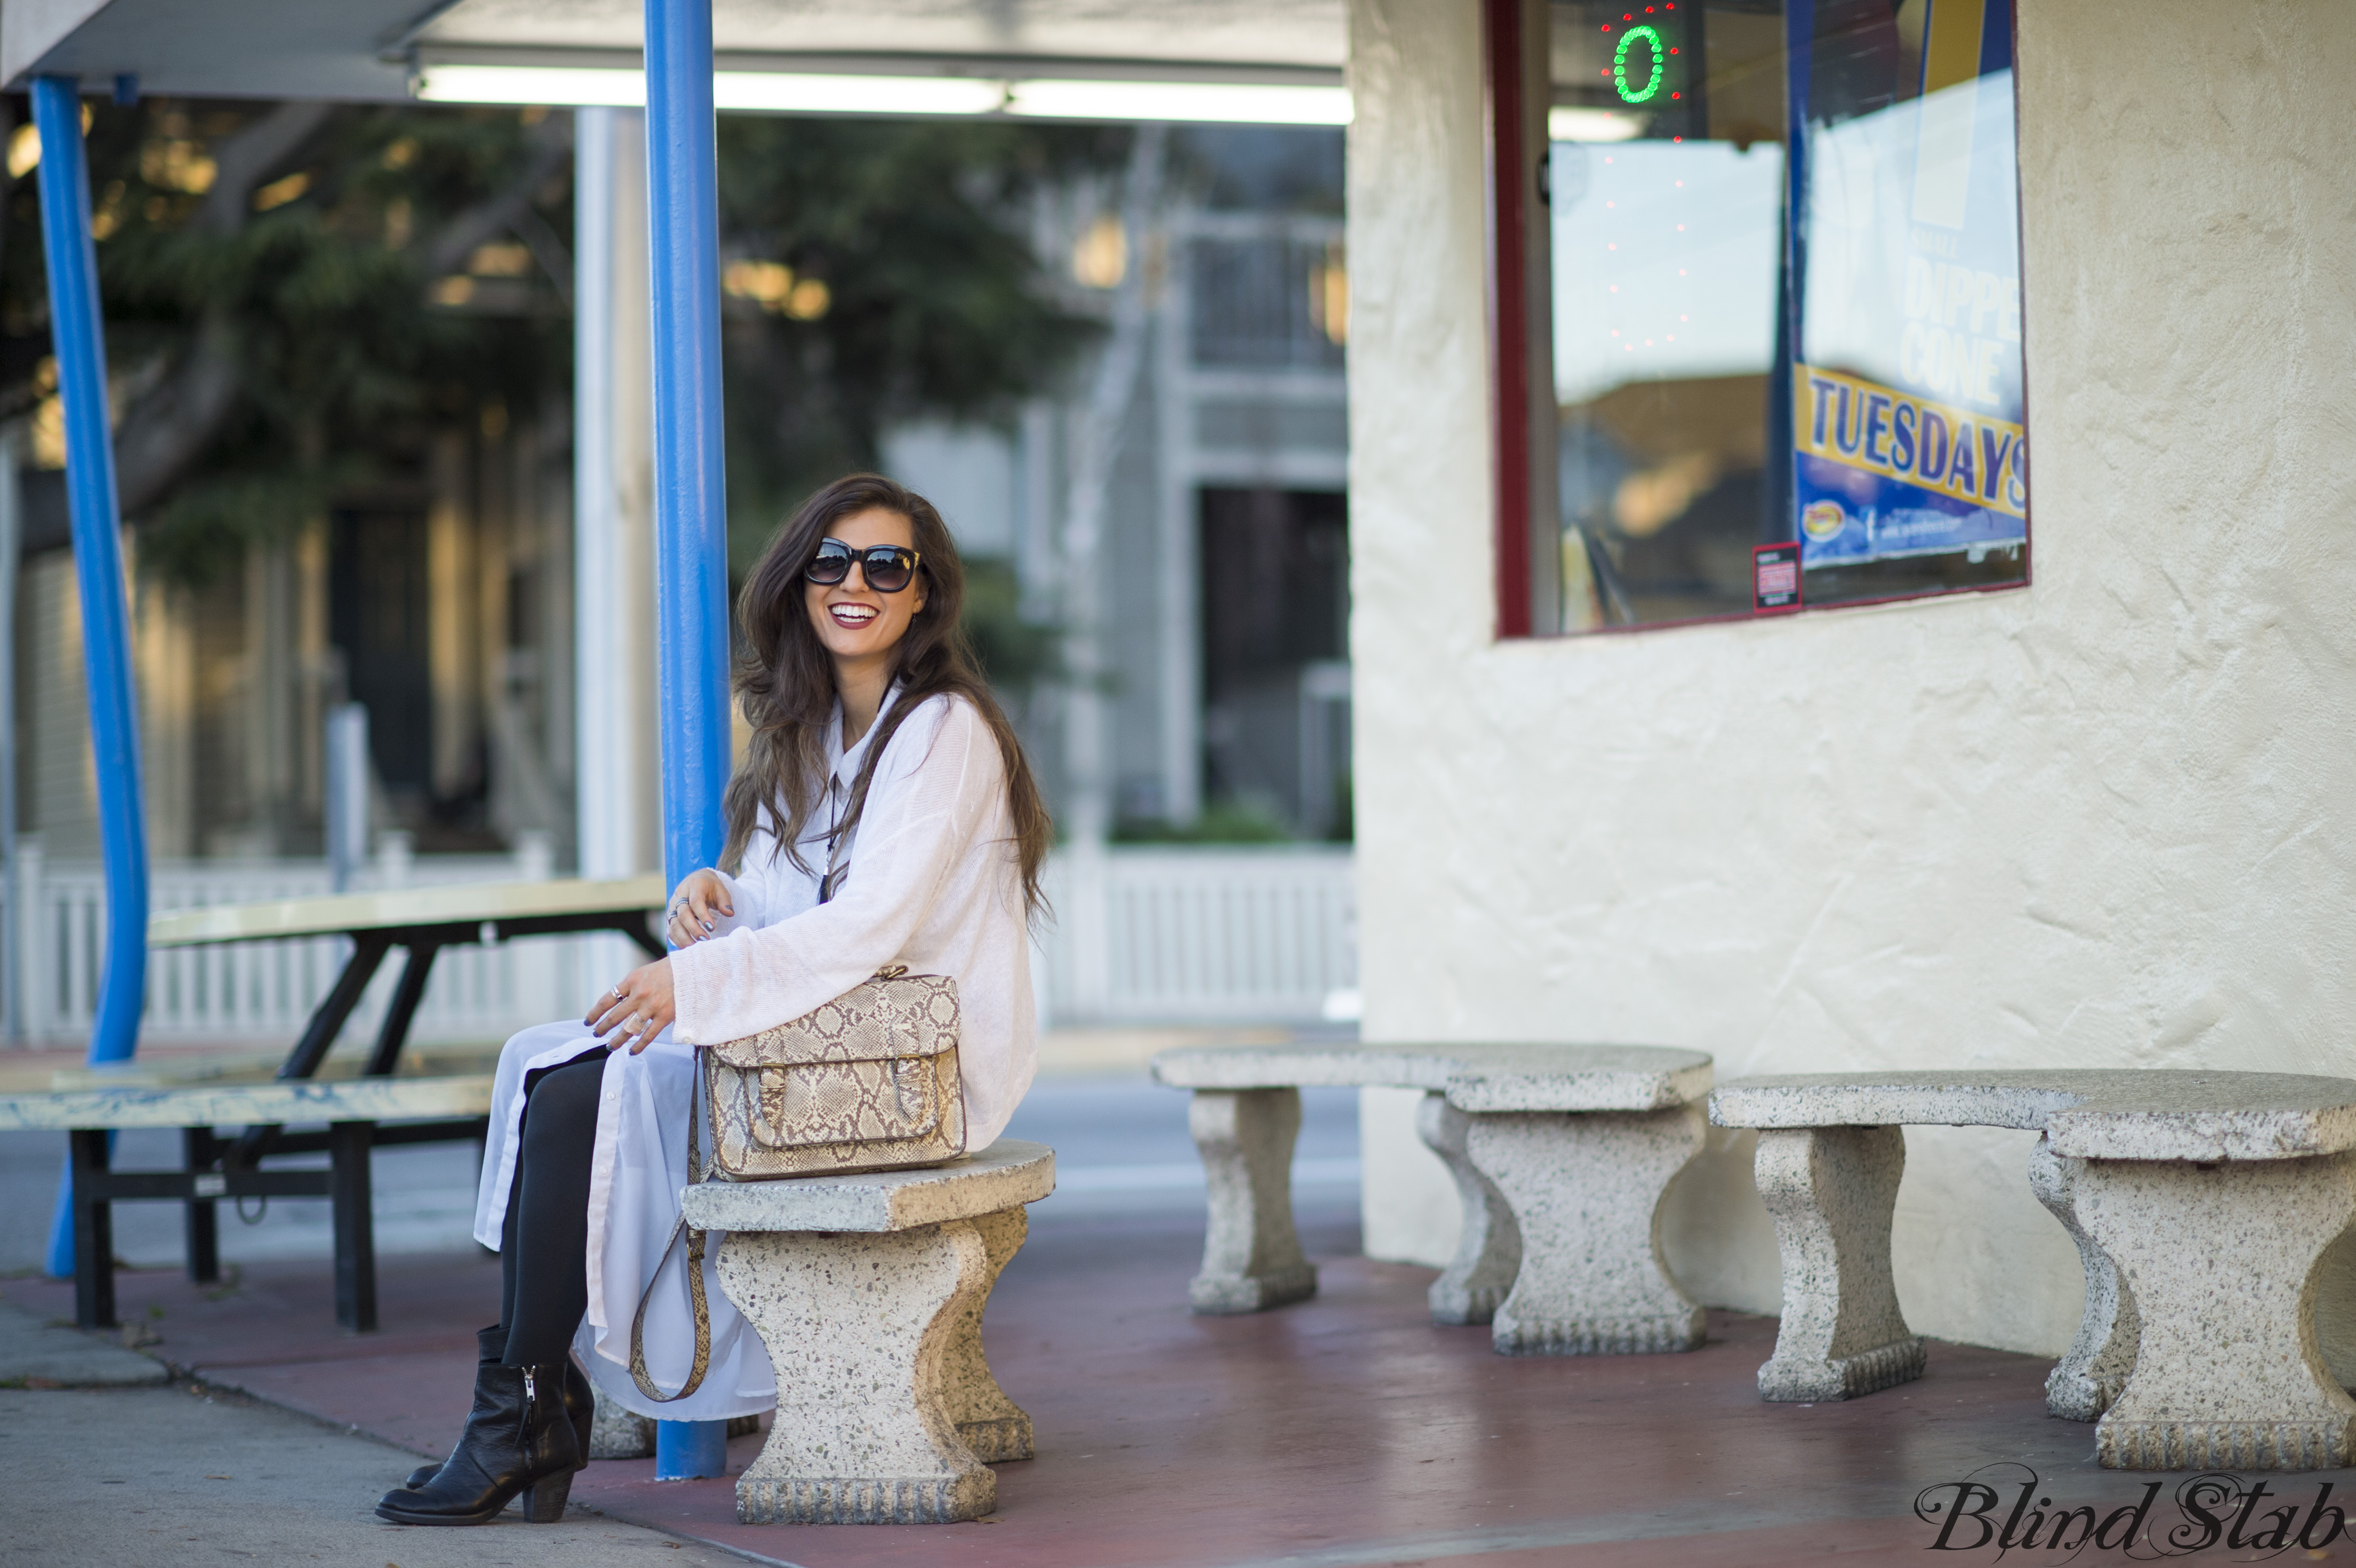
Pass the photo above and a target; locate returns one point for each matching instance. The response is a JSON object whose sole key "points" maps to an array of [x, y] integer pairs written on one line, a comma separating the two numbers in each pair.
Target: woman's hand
{"points": [[699, 897], [637, 1010]]}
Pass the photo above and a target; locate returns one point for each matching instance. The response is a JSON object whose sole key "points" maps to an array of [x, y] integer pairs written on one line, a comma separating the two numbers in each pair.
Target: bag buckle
{"points": [[891, 971]]}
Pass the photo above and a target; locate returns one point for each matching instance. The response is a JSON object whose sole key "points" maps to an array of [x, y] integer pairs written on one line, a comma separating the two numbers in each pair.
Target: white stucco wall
{"points": [[2107, 820]]}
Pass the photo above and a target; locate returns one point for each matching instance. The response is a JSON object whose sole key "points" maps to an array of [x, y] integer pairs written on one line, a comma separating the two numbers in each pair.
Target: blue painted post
{"points": [[691, 475], [690, 1450], [691, 499], [78, 333]]}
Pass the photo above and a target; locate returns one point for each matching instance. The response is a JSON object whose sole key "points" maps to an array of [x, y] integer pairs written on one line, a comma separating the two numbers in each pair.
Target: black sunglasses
{"points": [[888, 567]]}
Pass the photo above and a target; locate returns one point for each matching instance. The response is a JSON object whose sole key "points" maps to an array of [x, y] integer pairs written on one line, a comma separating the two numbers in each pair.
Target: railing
{"points": [[1213, 934], [1223, 934], [263, 992]]}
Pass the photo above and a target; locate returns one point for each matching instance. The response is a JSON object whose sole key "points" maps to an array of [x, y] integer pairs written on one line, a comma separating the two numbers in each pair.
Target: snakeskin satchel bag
{"points": [[868, 1082]]}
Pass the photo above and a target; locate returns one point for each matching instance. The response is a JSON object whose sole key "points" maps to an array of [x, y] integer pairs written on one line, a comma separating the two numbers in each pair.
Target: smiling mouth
{"points": [[852, 617]]}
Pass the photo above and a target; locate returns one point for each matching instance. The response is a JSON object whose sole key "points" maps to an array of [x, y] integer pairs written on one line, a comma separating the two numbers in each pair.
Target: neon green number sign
{"points": [[1620, 64]]}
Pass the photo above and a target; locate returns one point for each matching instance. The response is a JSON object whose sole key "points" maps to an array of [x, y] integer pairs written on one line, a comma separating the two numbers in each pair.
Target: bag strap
{"points": [[702, 1363], [838, 843]]}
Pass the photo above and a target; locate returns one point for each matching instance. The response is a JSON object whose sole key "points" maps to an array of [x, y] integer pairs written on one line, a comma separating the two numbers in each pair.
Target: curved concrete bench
{"points": [[2157, 1175], [868, 1291], [1561, 1155]]}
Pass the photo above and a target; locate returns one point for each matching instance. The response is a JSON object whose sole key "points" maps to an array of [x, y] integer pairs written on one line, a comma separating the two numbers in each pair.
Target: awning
{"points": [[1264, 60]]}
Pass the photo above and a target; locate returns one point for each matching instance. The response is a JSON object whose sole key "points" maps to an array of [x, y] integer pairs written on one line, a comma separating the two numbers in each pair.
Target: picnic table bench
{"points": [[379, 1108], [2201, 1203]]}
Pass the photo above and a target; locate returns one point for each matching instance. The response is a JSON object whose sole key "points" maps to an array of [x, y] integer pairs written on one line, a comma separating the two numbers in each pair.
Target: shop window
{"points": [[1758, 287]]}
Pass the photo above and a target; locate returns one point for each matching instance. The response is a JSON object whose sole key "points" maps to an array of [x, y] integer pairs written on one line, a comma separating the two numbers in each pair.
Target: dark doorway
{"points": [[379, 608], [1275, 619]]}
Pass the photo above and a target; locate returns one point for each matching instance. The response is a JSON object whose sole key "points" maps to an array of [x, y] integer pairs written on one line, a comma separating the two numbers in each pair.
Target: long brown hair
{"points": [[785, 681]]}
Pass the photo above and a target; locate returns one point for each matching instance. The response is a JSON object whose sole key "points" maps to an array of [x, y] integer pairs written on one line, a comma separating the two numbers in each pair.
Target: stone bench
{"points": [[420, 1110], [868, 1291], [1561, 1155], [2158, 1176]]}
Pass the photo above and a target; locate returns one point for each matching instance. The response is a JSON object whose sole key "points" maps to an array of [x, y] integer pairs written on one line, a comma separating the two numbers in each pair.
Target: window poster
{"points": [[1785, 305], [1908, 439]]}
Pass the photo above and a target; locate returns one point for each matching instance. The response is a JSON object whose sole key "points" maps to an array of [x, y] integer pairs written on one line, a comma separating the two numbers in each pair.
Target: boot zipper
{"points": [[530, 1399]]}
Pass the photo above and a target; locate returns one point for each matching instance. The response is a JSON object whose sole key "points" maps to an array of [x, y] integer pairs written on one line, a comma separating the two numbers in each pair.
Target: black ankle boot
{"points": [[518, 1438], [579, 1401]]}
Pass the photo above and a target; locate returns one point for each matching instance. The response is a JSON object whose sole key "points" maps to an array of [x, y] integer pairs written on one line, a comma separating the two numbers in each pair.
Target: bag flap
{"points": [[817, 1103], [884, 1019]]}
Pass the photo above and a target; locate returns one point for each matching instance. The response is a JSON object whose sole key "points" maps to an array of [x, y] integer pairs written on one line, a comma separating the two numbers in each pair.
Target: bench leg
{"points": [[858, 1328], [1831, 1191], [2223, 1258], [1489, 1249], [1251, 1257], [1585, 1191], [2097, 1364], [93, 1225], [200, 1150], [993, 1426], [348, 1145]]}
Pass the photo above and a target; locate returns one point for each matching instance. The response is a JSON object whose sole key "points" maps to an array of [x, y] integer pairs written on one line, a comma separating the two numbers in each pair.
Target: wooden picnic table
{"points": [[422, 921]]}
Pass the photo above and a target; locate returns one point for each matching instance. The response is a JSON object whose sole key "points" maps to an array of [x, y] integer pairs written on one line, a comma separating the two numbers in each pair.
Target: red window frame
{"points": [[1515, 94], [1511, 176]]}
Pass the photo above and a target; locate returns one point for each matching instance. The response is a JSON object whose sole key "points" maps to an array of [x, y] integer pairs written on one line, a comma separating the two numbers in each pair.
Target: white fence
{"points": [[1225, 935]]}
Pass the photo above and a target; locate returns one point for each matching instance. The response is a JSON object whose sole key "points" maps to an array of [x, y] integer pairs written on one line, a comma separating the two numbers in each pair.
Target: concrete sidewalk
{"points": [[182, 1475], [40, 1352]]}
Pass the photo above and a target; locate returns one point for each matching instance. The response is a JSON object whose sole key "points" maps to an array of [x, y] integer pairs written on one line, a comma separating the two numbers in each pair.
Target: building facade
{"points": [[2100, 820]]}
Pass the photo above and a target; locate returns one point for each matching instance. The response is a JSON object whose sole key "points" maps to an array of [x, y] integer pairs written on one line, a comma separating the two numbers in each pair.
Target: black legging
{"points": [[544, 1243]]}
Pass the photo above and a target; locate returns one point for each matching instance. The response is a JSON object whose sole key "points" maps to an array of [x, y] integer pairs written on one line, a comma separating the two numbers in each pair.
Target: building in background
{"points": [[1221, 581], [442, 603]]}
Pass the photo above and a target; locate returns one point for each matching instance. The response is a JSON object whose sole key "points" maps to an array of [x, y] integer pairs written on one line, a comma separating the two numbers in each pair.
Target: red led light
{"points": [[1677, 95], [1673, 51]]}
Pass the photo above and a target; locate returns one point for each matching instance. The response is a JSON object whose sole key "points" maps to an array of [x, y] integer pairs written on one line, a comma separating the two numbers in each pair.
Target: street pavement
{"points": [[189, 1475]]}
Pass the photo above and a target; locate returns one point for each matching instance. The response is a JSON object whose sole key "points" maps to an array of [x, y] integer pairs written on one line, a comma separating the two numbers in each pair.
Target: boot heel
{"points": [[543, 1501]]}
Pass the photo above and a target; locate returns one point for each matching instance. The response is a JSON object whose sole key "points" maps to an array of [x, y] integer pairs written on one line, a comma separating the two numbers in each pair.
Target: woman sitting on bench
{"points": [[876, 748]]}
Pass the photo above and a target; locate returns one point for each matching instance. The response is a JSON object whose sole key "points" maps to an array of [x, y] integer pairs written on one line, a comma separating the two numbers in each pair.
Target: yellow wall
{"points": [[2109, 820]]}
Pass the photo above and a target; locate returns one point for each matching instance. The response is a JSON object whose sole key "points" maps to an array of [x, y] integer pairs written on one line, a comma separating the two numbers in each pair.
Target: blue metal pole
{"points": [[690, 498], [690, 476], [77, 334]]}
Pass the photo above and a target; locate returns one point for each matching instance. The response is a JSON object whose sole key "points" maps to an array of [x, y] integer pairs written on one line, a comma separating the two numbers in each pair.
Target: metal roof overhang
{"points": [[374, 49]]}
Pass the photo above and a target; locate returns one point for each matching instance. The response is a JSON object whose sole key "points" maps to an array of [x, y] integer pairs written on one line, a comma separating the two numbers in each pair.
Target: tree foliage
{"points": [[282, 329], [266, 272], [935, 302]]}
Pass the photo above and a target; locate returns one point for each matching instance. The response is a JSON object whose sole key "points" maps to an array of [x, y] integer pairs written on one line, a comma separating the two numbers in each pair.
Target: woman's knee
{"points": [[562, 1103]]}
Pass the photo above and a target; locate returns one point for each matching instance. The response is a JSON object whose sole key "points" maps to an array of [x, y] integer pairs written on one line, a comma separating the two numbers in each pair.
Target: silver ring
{"points": [[618, 993]]}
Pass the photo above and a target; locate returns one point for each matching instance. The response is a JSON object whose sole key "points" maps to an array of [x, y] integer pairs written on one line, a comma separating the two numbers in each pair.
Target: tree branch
{"points": [[168, 429], [448, 250], [245, 159]]}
